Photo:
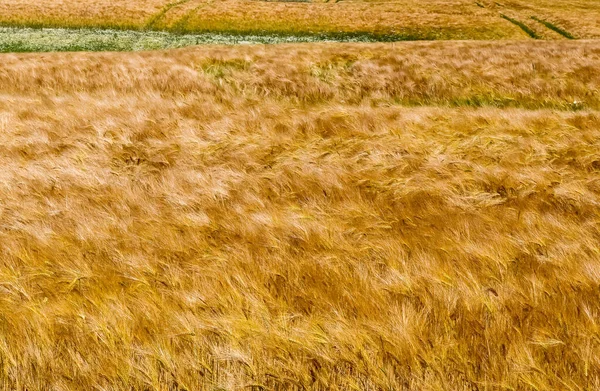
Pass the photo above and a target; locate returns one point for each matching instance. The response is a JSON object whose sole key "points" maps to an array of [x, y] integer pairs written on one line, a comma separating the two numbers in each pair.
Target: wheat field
{"points": [[300, 216], [383, 19], [399, 216]]}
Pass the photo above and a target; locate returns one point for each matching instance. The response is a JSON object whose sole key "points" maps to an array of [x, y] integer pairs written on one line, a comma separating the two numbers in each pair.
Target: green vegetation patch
{"points": [[38, 39], [14, 39]]}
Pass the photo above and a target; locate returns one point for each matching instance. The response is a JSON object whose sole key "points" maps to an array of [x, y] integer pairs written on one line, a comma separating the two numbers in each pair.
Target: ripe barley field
{"points": [[407, 216], [384, 20], [300, 216]]}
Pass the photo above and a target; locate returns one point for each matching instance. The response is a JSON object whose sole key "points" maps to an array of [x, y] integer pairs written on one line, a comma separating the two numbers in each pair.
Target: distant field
{"points": [[397, 20], [419, 216]]}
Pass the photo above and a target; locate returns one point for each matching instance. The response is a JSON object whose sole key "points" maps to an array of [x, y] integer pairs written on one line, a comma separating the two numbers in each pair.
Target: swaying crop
{"points": [[302, 217]]}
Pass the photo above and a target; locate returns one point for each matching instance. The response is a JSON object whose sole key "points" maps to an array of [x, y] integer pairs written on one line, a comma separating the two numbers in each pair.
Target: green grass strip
{"points": [[522, 25], [554, 27], [72, 40]]}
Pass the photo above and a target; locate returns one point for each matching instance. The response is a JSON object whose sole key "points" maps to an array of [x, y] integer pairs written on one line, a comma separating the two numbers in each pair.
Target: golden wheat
{"points": [[404, 19], [322, 217]]}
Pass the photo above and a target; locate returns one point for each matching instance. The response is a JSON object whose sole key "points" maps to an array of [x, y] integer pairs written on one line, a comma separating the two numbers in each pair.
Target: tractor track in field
{"points": [[526, 28], [522, 26], [180, 25], [512, 20], [554, 27], [158, 16]]}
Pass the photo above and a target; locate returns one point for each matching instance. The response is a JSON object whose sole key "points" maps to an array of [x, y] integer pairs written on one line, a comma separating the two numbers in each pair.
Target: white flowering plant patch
{"points": [[14, 39]]}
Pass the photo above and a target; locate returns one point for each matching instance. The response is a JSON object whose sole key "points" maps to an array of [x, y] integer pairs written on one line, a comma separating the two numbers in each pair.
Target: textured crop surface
{"points": [[302, 217], [23, 40], [386, 20]]}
